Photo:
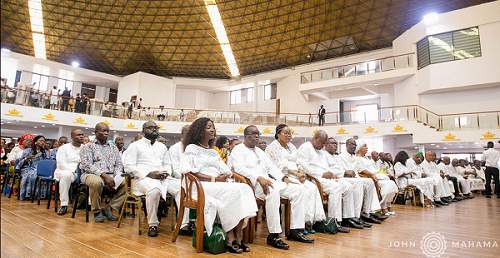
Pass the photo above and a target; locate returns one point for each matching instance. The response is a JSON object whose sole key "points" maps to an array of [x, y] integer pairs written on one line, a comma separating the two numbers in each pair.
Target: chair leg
{"points": [[140, 222], [179, 222], [86, 204], [287, 217], [19, 178], [121, 213], [199, 231], [173, 208], [56, 195], [49, 193], [39, 190], [133, 211], [75, 204]]}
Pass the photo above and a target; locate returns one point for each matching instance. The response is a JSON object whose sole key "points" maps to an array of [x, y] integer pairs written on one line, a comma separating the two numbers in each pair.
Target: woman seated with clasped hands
{"points": [[234, 203]]}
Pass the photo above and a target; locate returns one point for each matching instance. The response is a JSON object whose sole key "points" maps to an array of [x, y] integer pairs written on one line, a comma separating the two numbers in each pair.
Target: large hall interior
{"points": [[404, 93]]}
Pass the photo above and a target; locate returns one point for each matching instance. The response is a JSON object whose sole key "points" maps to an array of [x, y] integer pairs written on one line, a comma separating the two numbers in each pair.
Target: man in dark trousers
{"points": [[65, 98], [321, 115], [491, 156]]}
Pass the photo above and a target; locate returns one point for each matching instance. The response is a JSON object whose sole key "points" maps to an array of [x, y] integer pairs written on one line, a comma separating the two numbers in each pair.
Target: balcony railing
{"points": [[359, 68], [448, 122]]}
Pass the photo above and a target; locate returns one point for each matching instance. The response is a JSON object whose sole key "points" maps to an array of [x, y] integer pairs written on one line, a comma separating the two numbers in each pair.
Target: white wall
{"points": [[156, 91], [191, 98], [473, 100], [128, 87]]}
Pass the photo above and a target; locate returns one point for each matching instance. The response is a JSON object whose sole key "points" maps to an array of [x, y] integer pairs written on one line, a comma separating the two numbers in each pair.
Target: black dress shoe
{"points": [[340, 228], [153, 231], [442, 203], [109, 215], [369, 218], [488, 196], [351, 223], [459, 198], [436, 204], [453, 200], [364, 224], [62, 210], [379, 216], [275, 241], [446, 200], [296, 235]]}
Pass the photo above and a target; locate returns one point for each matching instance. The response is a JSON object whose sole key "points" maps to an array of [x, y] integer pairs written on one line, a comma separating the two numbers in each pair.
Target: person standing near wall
{"points": [[321, 115], [491, 157]]}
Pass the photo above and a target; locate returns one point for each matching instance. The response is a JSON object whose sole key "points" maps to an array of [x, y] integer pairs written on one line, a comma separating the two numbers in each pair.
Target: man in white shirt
{"points": [[442, 192], [363, 188], [148, 160], [175, 152], [68, 157], [370, 188], [451, 174], [250, 161], [375, 156], [491, 156], [454, 170]]}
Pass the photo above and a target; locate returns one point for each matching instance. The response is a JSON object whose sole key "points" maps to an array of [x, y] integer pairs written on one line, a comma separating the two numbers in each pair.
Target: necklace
{"points": [[286, 148], [206, 147]]}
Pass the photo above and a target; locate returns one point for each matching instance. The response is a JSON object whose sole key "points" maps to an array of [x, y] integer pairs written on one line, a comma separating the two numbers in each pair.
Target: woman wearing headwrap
{"points": [[25, 142], [28, 163], [387, 187]]}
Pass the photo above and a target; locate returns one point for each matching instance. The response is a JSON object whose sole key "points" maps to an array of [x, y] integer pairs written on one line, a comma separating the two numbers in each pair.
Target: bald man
{"points": [[442, 193]]}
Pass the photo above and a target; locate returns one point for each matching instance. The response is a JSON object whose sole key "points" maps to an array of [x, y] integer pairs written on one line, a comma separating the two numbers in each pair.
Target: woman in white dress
{"points": [[405, 176], [387, 187], [283, 154], [234, 203], [477, 180], [54, 98]]}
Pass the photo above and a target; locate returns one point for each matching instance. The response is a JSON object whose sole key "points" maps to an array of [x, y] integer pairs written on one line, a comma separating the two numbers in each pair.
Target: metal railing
{"points": [[448, 122], [359, 68]]}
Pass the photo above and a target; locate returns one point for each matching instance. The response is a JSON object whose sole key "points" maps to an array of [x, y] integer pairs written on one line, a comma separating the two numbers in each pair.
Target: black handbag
{"points": [[327, 226], [400, 199]]}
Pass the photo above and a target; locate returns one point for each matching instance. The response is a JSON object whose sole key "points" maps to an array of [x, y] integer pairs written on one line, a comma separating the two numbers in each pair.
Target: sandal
{"points": [[245, 248], [234, 248]]}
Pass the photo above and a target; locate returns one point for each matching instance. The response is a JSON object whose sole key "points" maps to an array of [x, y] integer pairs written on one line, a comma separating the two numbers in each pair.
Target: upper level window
{"points": [[270, 91], [41, 81], [364, 113], [235, 97], [112, 95], [249, 95], [449, 46], [62, 84], [89, 89]]}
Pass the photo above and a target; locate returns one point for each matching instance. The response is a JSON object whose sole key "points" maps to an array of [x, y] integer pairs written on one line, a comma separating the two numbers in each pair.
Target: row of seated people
{"points": [[358, 193]]}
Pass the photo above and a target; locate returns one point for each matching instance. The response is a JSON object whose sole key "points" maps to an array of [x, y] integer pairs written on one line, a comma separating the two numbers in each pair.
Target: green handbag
{"points": [[215, 243], [327, 226]]}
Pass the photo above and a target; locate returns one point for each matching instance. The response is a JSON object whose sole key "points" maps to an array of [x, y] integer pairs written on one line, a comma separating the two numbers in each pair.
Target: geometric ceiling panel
{"points": [[176, 38]]}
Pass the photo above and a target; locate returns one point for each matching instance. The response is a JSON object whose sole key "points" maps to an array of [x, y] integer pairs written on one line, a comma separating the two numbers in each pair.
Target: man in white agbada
{"points": [[148, 160], [461, 173], [175, 152], [340, 193], [363, 188], [452, 176], [442, 193], [68, 157], [349, 161], [251, 162]]}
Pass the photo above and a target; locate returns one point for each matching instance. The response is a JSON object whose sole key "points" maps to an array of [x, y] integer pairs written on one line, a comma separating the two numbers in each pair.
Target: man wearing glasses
{"points": [[148, 160], [250, 161]]}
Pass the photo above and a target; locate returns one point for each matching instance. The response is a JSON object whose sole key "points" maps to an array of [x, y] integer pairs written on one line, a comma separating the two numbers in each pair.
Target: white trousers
{"points": [[65, 178], [360, 196], [314, 202], [174, 188], [293, 192], [387, 190], [465, 183], [340, 198], [442, 188]]}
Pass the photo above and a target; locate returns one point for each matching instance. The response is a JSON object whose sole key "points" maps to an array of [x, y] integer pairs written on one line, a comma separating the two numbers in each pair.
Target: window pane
{"points": [[423, 53], [238, 96], [35, 78], [61, 84], [44, 83], [69, 84], [361, 68], [441, 48], [349, 70], [267, 92], [466, 43], [374, 66], [233, 98], [249, 95]]}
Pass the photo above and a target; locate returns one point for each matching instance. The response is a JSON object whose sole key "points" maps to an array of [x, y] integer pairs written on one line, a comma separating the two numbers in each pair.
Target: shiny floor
{"points": [[470, 228]]}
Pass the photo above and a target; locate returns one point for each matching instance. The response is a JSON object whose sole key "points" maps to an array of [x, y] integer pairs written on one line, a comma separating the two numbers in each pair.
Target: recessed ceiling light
{"points": [[460, 146], [93, 132], [54, 124], [437, 146], [43, 125], [416, 147], [75, 64], [8, 122], [5, 50], [86, 128], [114, 131], [375, 84], [431, 18], [445, 148], [35, 126], [433, 144], [125, 134]]}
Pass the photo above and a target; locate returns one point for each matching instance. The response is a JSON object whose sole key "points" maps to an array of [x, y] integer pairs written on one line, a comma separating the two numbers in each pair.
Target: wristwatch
{"points": [[283, 179]]}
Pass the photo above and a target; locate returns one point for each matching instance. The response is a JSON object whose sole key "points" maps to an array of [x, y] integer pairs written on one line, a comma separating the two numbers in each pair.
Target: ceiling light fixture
{"points": [[5, 50], [75, 64], [375, 84], [216, 19], [36, 18], [431, 18]]}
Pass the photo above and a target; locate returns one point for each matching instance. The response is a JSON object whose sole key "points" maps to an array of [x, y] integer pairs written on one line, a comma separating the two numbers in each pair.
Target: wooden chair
{"points": [[187, 201], [131, 198], [324, 196], [249, 231], [406, 191]]}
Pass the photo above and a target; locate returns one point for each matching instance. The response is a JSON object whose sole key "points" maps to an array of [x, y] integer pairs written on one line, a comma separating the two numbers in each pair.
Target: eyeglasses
{"points": [[332, 143], [153, 128], [254, 134], [287, 133], [352, 144]]}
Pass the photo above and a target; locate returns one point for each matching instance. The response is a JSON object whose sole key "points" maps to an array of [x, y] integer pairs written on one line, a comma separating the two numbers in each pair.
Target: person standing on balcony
{"points": [[54, 98], [65, 99], [491, 157], [321, 115]]}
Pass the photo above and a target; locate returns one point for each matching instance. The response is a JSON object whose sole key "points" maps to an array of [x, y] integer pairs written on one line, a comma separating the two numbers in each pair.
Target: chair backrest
{"points": [[78, 174], [46, 167], [189, 180], [15, 166]]}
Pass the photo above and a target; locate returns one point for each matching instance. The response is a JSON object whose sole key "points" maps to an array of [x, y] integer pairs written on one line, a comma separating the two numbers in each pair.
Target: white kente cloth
{"points": [[253, 163], [387, 187], [425, 185], [477, 181], [67, 157], [286, 159], [233, 202], [442, 187], [349, 162], [140, 159], [363, 188], [463, 179]]}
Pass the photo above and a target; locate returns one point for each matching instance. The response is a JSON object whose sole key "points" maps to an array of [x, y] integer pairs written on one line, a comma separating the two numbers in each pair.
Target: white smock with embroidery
{"points": [[425, 185], [286, 159], [387, 187], [477, 181], [233, 202]]}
